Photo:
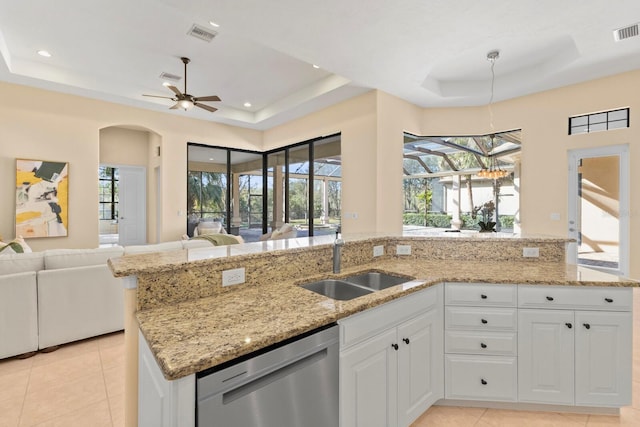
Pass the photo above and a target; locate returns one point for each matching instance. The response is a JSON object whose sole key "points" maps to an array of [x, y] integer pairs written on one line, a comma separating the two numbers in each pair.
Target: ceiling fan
{"points": [[183, 99]]}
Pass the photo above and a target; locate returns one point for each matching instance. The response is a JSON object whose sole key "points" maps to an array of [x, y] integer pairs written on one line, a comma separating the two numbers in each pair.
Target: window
{"points": [[108, 192], [607, 120], [441, 185]]}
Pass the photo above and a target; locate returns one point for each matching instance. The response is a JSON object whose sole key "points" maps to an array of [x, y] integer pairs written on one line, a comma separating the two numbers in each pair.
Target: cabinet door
{"points": [[603, 358], [368, 383], [545, 356], [420, 365]]}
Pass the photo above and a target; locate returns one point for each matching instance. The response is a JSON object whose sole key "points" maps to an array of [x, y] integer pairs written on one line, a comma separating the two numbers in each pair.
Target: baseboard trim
{"points": [[517, 406]]}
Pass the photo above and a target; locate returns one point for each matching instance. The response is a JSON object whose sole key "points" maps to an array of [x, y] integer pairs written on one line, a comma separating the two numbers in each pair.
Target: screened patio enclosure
{"points": [[444, 184]]}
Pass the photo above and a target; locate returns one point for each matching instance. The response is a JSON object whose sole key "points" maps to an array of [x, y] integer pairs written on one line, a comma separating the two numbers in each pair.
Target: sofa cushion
{"points": [[67, 258], [19, 263], [158, 247]]}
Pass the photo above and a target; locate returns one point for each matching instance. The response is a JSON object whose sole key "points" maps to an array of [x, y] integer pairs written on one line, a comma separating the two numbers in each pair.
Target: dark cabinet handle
{"points": [[483, 296], [608, 300], [483, 381], [569, 325], [483, 345], [406, 340], [484, 321], [395, 346], [586, 325], [549, 298]]}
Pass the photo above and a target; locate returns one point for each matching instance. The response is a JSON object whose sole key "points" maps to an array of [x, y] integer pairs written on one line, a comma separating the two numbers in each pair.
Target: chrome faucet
{"points": [[337, 247]]}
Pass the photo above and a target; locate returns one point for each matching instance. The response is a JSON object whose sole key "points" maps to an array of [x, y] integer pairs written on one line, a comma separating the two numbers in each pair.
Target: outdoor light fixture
{"points": [[493, 171]]}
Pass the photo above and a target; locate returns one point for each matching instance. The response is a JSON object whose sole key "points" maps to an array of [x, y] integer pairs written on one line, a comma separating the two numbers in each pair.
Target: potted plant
{"points": [[486, 210]]}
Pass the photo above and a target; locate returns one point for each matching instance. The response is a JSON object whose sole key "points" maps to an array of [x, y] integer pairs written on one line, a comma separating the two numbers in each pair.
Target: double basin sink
{"points": [[355, 286]]}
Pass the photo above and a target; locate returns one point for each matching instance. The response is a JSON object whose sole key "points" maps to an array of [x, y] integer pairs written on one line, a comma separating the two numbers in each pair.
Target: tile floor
{"points": [[79, 385], [82, 385]]}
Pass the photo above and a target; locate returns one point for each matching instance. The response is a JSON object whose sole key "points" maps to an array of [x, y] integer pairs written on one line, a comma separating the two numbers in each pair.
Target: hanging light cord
{"points": [[491, 57]]}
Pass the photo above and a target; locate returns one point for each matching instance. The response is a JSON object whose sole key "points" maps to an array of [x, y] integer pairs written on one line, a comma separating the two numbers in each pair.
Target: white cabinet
{"points": [[481, 342], [163, 403], [545, 352], [390, 377], [575, 357]]}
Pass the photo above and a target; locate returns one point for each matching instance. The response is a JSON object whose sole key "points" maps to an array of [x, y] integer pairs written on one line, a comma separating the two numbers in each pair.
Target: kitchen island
{"points": [[191, 323]]}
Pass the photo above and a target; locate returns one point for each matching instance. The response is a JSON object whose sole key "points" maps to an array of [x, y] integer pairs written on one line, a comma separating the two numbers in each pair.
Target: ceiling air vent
{"points": [[202, 33], [626, 32], [169, 76]]}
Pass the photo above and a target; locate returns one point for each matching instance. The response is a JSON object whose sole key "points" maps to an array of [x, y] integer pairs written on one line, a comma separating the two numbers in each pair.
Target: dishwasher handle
{"points": [[265, 380]]}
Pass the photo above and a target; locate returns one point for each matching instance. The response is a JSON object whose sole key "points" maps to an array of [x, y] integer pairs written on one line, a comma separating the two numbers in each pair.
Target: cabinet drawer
{"points": [[363, 325], [476, 342], [480, 294], [575, 297], [481, 318], [481, 377]]}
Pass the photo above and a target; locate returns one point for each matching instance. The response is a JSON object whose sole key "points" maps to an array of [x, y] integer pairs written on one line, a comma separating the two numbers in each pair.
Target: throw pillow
{"points": [[17, 245]]}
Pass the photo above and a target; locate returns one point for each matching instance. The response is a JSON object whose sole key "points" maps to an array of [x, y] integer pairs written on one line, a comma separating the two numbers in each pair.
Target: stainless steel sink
{"points": [[376, 280], [337, 289]]}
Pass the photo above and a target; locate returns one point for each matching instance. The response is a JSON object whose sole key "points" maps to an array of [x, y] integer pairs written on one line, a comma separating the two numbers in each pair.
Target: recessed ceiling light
{"points": [[247, 104], [213, 24], [316, 66], [44, 53]]}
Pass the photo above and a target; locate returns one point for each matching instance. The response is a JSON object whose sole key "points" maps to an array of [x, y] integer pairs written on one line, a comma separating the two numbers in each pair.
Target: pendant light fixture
{"points": [[493, 171]]}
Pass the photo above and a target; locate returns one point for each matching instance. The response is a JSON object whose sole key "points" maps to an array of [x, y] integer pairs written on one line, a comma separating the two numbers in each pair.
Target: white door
{"points": [[545, 356], [603, 358], [420, 365], [132, 206], [368, 383], [599, 208]]}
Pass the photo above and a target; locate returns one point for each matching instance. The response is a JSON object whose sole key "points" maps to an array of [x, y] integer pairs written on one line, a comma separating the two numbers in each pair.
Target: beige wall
{"points": [[40, 124], [63, 127]]}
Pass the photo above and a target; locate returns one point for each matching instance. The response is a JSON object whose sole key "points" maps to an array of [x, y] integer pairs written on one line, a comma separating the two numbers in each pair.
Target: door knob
{"points": [[483, 345], [569, 325], [586, 325], [608, 300], [549, 298], [483, 296], [395, 346], [483, 381], [406, 340], [484, 321]]}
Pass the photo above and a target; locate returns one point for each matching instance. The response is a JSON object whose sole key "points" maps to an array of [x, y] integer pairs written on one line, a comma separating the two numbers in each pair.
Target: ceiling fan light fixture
{"points": [[185, 103], [247, 104], [44, 53]]}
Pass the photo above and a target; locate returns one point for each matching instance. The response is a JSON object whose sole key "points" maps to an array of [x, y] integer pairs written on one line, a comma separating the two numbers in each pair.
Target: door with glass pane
{"points": [[598, 208]]}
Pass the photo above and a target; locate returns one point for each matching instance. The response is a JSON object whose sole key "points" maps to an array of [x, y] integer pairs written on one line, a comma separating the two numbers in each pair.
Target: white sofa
{"points": [[63, 295]]}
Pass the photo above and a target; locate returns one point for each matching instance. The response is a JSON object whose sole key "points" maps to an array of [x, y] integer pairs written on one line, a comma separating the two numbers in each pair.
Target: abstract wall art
{"points": [[42, 202]]}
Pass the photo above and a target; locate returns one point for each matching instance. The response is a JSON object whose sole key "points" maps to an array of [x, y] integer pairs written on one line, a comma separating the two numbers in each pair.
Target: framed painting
{"points": [[42, 198]]}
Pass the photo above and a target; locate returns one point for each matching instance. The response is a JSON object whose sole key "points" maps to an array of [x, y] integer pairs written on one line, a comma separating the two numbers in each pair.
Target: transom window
{"points": [[607, 120]]}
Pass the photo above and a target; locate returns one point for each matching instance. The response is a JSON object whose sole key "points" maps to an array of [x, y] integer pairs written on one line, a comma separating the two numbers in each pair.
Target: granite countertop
{"points": [[195, 335]]}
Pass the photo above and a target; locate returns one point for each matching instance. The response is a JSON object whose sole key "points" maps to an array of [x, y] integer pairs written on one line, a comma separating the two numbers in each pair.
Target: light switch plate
{"points": [[403, 249], [233, 277], [378, 250], [531, 252]]}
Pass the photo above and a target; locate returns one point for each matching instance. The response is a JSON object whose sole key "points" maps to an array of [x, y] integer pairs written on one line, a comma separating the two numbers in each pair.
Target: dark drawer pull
{"points": [[483, 345], [406, 340], [484, 321], [483, 296], [569, 325], [395, 346], [483, 382], [608, 300], [586, 325], [549, 298]]}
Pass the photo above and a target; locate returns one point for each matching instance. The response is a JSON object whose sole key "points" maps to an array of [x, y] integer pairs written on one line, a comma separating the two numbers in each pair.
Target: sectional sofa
{"points": [[63, 295]]}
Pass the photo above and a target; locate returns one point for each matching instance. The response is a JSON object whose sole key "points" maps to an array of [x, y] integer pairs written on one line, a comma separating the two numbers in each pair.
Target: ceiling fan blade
{"points": [[175, 90], [175, 106], [207, 98], [206, 107], [157, 96]]}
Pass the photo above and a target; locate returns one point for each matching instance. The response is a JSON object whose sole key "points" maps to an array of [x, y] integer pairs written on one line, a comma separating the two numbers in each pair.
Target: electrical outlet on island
{"points": [[233, 277]]}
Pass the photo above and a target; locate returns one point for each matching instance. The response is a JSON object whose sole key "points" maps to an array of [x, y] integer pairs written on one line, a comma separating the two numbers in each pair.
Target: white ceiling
{"points": [[428, 52]]}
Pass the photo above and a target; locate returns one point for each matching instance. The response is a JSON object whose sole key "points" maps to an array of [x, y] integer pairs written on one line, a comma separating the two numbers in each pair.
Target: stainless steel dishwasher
{"points": [[293, 384]]}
